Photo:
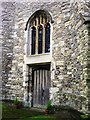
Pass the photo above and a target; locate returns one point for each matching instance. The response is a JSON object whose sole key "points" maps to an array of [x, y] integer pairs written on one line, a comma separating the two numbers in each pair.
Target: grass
{"points": [[41, 117], [10, 113], [63, 113]]}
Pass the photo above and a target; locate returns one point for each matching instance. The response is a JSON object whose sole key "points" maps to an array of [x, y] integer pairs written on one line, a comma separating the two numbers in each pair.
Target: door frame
{"points": [[45, 66]]}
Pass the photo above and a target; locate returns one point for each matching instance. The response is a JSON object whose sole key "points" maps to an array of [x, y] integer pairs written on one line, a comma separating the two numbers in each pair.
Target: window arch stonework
{"points": [[40, 33]]}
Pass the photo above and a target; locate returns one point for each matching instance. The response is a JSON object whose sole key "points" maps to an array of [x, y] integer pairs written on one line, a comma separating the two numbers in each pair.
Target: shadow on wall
{"points": [[88, 66], [8, 23]]}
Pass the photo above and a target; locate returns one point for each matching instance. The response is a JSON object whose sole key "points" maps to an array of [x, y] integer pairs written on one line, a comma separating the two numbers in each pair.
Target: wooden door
{"points": [[41, 84]]}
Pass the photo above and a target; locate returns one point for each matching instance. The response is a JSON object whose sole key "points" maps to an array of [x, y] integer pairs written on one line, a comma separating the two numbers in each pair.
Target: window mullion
{"points": [[36, 35], [43, 47], [34, 23]]}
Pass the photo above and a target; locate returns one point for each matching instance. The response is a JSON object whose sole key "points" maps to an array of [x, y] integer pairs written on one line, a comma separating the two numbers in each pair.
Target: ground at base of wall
{"points": [[27, 114]]}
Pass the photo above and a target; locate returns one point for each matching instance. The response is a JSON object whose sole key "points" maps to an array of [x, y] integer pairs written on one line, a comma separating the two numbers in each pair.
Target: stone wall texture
{"points": [[70, 49]]}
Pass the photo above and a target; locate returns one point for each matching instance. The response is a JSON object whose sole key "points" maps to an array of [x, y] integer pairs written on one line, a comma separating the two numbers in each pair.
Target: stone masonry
{"points": [[70, 63]]}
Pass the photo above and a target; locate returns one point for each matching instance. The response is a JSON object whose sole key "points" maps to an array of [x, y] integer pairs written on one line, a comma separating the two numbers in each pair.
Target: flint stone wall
{"points": [[70, 50]]}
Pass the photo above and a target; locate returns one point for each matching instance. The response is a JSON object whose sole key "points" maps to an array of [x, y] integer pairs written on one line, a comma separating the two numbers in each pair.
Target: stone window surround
{"points": [[30, 60], [41, 58], [38, 23]]}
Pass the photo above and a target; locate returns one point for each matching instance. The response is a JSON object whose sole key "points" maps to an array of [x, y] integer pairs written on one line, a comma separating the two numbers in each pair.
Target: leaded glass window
{"points": [[47, 38], [39, 30], [33, 42], [40, 34], [40, 39]]}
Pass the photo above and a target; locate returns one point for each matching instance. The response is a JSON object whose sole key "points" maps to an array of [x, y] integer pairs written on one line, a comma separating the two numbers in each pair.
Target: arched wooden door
{"points": [[41, 85]]}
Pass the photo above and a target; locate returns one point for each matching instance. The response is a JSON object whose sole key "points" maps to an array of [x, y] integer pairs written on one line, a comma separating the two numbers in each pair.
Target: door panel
{"points": [[41, 84]]}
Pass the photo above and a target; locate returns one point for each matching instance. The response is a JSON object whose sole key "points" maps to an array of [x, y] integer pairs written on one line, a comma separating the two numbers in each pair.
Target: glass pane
{"points": [[40, 39], [33, 40], [47, 38]]}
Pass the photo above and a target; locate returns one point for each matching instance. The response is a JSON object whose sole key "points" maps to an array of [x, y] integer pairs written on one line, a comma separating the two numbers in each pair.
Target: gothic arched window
{"points": [[39, 23]]}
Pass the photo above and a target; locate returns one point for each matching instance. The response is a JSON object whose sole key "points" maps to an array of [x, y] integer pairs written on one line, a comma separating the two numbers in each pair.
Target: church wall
{"points": [[70, 44], [69, 51]]}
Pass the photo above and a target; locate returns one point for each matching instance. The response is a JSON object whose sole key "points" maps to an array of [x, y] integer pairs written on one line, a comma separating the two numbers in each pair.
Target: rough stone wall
{"points": [[8, 23], [69, 49], [12, 51], [70, 42], [70, 45], [88, 67], [87, 23]]}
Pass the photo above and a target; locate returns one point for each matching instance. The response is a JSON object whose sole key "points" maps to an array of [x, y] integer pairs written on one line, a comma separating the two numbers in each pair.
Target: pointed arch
{"points": [[39, 25], [35, 14]]}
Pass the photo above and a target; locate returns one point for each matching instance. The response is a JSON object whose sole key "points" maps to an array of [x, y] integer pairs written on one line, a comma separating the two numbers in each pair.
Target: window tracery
{"points": [[40, 30]]}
